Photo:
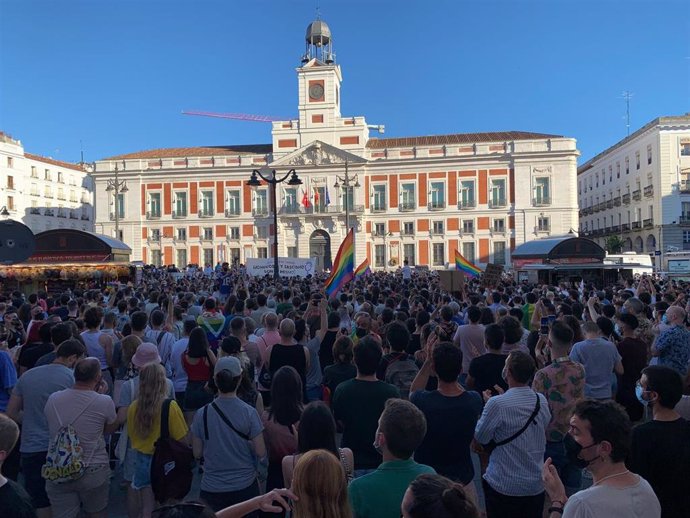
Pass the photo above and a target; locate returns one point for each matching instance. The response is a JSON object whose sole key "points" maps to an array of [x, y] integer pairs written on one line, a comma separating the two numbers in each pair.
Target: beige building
{"points": [[639, 189], [44, 193], [417, 198]]}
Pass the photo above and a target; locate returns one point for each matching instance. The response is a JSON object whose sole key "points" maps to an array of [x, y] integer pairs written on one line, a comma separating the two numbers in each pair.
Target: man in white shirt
{"points": [[406, 271]]}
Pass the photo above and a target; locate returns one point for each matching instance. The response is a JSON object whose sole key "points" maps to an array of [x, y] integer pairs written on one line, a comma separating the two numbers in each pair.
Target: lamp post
{"points": [[346, 180], [273, 181], [116, 187]]}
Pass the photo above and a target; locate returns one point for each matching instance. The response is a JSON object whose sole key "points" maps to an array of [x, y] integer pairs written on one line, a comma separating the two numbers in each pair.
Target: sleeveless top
{"points": [[93, 348], [200, 371], [292, 355], [326, 349]]}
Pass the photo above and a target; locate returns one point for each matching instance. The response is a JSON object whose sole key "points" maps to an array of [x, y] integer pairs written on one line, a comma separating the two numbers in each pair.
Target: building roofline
{"points": [[669, 119], [52, 161], [457, 138], [195, 151]]}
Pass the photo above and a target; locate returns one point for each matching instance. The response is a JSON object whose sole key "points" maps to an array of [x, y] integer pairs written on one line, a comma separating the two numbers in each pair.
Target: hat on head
{"points": [[230, 364], [146, 353]]}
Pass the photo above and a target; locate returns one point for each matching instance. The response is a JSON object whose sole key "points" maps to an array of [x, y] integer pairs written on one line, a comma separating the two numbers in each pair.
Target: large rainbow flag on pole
{"points": [[343, 266], [464, 265], [363, 269]]}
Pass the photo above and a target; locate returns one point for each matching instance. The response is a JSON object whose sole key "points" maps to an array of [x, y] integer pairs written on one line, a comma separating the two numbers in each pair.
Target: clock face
{"points": [[315, 91]]}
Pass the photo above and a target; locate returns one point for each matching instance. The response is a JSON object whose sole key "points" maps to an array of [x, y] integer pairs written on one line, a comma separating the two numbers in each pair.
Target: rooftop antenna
{"points": [[81, 149], [627, 95]]}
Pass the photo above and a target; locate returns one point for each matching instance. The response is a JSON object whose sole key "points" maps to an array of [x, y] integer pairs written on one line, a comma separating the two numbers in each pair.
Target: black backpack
{"points": [[171, 467]]}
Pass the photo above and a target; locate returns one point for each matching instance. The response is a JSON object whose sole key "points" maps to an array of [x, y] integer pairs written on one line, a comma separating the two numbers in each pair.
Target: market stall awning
{"points": [[64, 245], [567, 249]]}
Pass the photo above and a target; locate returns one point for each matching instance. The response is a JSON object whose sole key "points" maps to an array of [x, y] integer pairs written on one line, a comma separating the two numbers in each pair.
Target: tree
{"points": [[614, 245]]}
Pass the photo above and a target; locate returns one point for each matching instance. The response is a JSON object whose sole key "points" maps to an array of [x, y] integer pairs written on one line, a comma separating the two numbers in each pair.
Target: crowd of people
{"points": [[394, 397]]}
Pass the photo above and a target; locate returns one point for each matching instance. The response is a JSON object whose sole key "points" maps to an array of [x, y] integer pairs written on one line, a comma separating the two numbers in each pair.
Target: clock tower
{"points": [[319, 79]]}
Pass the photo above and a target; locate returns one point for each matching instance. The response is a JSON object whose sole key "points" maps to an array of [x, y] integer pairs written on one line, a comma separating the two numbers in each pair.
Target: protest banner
{"points": [[287, 267]]}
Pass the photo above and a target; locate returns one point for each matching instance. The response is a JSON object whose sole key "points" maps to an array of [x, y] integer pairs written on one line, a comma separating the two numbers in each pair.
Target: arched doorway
{"points": [[627, 245], [639, 245], [320, 249], [651, 243]]}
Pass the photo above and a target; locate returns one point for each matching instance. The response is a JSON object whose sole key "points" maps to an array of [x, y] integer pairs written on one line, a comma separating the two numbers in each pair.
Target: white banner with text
{"points": [[287, 267]]}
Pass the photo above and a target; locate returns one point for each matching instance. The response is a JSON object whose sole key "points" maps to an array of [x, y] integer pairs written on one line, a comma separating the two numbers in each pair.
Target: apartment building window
{"points": [[232, 200], [72, 196], [261, 202], [180, 204], [437, 193], [48, 192], [348, 197], [61, 177], [234, 232], [637, 160], [234, 256], [290, 205], [597, 178], [438, 254], [10, 162], [208, 256], [498, 193], [155, 234], [468, 226], [379, 198], [685, 210], [208, 233], [34, 172], [467, 197], [72, 181], [438, 228], [499, 252], [380, 256], [685, 148], [292, 251], [155, 205], [610, 173], [618, 169], [627, 165], [10, 203], [61, 193], [408, 228], [686, 239], [321, 200], [379, 229], [407, 196], [207, 208], [544, 225], [409, 254], [156, 257], [10, 182], [468, 251], [182, 234], [262, 252], [181, 258], [120, 205], [262, 232], [46, 175], [499, 225], [649, 155], [542, 191], [34, 189]]}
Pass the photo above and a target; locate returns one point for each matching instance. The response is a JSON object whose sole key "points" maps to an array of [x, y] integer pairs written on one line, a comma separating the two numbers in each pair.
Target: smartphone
{"points": [[552, 319], [544, 326]]}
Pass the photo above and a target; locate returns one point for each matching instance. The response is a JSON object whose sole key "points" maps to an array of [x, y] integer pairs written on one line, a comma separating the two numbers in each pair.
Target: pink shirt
{"points": [[266, 341]]}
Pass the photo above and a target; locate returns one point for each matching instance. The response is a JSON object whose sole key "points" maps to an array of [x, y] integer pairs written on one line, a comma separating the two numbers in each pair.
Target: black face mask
{"points": [[573, 449], [361, 332]]}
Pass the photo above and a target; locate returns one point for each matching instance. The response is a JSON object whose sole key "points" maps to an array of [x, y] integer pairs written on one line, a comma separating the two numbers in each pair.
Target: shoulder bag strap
{"points": [[160, 337], [227, 422], [206, 422], [537, 407], [165, 415]]}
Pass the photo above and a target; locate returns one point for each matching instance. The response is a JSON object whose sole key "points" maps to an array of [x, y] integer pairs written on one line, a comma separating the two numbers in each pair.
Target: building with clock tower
{"points": [[413, 198]]}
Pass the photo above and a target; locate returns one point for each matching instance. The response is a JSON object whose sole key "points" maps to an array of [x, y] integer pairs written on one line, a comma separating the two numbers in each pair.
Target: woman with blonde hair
{"points": [[144, 425], [320, 486]]}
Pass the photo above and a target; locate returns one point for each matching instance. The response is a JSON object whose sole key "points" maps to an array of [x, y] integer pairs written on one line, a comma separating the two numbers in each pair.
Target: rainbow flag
{"points": [[343, 266], [464, 265], [363, 269]]}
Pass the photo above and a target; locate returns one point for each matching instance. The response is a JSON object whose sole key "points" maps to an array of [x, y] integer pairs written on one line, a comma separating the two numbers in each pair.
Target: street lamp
{"points": [[116, 187], [273, 181], [4, 212], [346, 180]]}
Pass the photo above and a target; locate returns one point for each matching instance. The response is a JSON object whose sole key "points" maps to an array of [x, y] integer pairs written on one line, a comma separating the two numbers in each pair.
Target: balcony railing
{"points": [[541, 201], [180, 239], [617, 201], [637, 194], [636, 225], [595, 208], [206, 238], [625, 227], [205, 214], [467, 204], [649, 191], [648, 223], [112, 216], [378, 207], [497, 202], [61, 214], [85, 217], [34, 193], [153, 215], [609, 204], [34, 210], [436, 205], [626, 199], [49, 212], [406, 206], [684, 220], [155, 238], [73, 216], [179, 214], [684, 186], [232, 213], [615, 229], [468, 231]]}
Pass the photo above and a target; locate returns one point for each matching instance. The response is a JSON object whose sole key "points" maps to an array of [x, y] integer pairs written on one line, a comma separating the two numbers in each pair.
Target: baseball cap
{"points": [[146, 353], [230, 364]]}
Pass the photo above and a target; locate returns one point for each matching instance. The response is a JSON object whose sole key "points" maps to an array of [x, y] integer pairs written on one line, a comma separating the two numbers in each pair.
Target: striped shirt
{"points": [[515, 468]]}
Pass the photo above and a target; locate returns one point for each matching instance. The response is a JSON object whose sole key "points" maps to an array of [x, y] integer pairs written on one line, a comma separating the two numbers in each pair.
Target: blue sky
{"points": [[115, 75]]}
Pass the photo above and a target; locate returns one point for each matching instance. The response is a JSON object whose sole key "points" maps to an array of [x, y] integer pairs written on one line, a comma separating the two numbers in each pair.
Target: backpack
{"points": [[64, 461], [402, 373], [171, 466]]}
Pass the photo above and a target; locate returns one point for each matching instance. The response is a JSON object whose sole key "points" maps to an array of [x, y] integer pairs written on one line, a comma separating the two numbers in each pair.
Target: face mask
{"points": [[573, 450], [639, 392], [617, 329], [361, 332], [664, 319]]}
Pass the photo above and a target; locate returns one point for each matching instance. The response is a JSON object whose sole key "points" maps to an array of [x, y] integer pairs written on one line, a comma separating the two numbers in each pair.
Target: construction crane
{"points": [[237, 116]]}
